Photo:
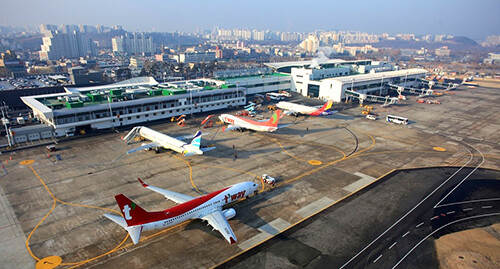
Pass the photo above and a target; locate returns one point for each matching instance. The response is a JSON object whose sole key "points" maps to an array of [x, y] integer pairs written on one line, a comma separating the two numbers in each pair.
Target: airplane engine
{"points": [[144, 144], [229, 213]]}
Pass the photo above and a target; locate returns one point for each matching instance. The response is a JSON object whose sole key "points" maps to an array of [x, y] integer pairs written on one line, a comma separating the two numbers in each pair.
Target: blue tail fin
{"points": [[196, 140]]}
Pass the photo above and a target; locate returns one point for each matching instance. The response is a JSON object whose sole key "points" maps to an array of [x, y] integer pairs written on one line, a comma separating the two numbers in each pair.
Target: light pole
{"points": [[110, 111], [5, 122]]}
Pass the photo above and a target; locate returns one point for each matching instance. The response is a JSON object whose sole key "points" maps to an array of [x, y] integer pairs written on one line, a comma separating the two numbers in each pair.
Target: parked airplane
{"points": [[165, 141], [292, 108], [236, 122], [207, 207]]}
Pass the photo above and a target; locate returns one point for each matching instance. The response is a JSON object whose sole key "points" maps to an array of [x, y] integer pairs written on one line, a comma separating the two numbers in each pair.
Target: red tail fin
{"points": [[132, 213], [327, 105], [273, 121]]}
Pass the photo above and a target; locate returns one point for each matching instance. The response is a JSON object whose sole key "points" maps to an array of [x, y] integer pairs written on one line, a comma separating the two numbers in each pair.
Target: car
{"points": [[268, 179], [371, 117]]}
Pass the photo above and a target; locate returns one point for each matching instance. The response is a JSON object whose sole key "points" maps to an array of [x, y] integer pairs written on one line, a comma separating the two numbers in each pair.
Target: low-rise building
{"points": [[196, 57]]}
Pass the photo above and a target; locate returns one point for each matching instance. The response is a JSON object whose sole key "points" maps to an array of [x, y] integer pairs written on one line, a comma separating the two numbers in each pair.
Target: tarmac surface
{"points": [[54, 207], [333, 237]]}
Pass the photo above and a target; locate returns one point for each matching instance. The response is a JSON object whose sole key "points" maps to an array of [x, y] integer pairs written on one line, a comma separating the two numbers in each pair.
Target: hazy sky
{"points": [[473, 18]]}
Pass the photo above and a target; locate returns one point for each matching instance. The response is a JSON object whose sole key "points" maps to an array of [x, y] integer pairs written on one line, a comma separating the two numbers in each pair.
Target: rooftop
{"points": [[277, 65], [380, 75], [233, 80]]}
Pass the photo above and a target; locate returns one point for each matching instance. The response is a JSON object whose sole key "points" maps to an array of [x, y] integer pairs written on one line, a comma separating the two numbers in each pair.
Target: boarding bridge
{"points": [[132, 134], [446, 86], [386, 100], [400, 89]]}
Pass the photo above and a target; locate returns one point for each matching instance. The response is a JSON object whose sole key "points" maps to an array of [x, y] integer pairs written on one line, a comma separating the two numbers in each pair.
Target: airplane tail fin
{"points": [[327, 105], [132, 213], [196, 142], [273, 121]]}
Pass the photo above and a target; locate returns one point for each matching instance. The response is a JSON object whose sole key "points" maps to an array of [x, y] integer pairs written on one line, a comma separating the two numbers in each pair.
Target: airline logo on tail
{"points": [[273, 121], [126, 211], [196, 140], [324, 109]]}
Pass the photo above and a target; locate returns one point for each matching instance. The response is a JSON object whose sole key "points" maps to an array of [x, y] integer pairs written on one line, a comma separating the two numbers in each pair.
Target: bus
{"points": [[397, 119], [275, 96]]}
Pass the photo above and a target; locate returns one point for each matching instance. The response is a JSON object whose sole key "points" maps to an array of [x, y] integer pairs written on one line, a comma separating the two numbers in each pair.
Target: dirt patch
{"points": [[475, 248], [492, 83]]}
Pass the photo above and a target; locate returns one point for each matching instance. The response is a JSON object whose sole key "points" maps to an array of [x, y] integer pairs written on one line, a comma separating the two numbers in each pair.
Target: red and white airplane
{"points": [[296, 109], [207, 207], [236, 122]]}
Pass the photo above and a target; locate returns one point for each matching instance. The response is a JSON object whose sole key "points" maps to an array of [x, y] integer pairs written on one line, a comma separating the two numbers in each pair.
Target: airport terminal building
{"points": [[331, 79], [143, 99]]}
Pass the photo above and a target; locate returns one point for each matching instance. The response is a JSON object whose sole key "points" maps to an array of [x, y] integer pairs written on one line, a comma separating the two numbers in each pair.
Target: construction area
{"points": [[53, 202]]}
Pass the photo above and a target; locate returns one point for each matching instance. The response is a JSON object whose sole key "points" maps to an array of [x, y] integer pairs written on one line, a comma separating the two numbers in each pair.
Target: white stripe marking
{"points": [[467, 209], [425, 238], [451, 212], [377, 258], [487, 206], [435, 217], [393, 245], [420, 224], [417, 205], [471, 201], [405, 234]]}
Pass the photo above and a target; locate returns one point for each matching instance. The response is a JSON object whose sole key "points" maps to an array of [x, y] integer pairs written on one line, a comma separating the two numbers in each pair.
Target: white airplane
{"points": [[292, 108], [165, 141], [207, 207], [236, 122]]}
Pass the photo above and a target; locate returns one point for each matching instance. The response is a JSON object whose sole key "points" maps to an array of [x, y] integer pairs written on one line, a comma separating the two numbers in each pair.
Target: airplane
{"points": [[236, 122], [207, 207], [165, 141], [296, 109]]}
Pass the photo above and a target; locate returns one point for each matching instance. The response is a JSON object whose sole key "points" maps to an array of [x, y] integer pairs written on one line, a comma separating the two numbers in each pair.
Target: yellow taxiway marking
{"points": [[302, 142], [26, 162], [55, 200], [190, 173], [49, 262], [315, 162], [439, 149]]}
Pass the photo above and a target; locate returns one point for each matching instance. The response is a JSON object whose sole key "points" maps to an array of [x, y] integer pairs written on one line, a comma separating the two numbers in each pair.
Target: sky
{"points": [[475, 19]]}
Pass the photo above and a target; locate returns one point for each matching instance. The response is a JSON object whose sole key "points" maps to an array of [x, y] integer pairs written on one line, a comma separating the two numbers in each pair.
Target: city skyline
{"points": [[474, 19]]}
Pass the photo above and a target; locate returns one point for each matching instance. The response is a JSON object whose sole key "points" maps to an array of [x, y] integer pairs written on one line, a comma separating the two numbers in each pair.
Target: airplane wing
{"points": [[290, 112], [147, 146], [230, 127], [219, 222], [207, 149], [170, 195]]}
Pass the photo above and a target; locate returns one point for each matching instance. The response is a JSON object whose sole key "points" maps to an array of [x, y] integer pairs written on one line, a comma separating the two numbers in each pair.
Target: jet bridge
{"points": [[446, 86], [386, 100], [401, 89]]}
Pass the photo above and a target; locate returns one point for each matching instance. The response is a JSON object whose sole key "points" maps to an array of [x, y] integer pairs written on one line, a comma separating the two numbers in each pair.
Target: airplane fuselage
{"points": [[247, 123], [296, 108], [198, 207], [167, 141]]}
